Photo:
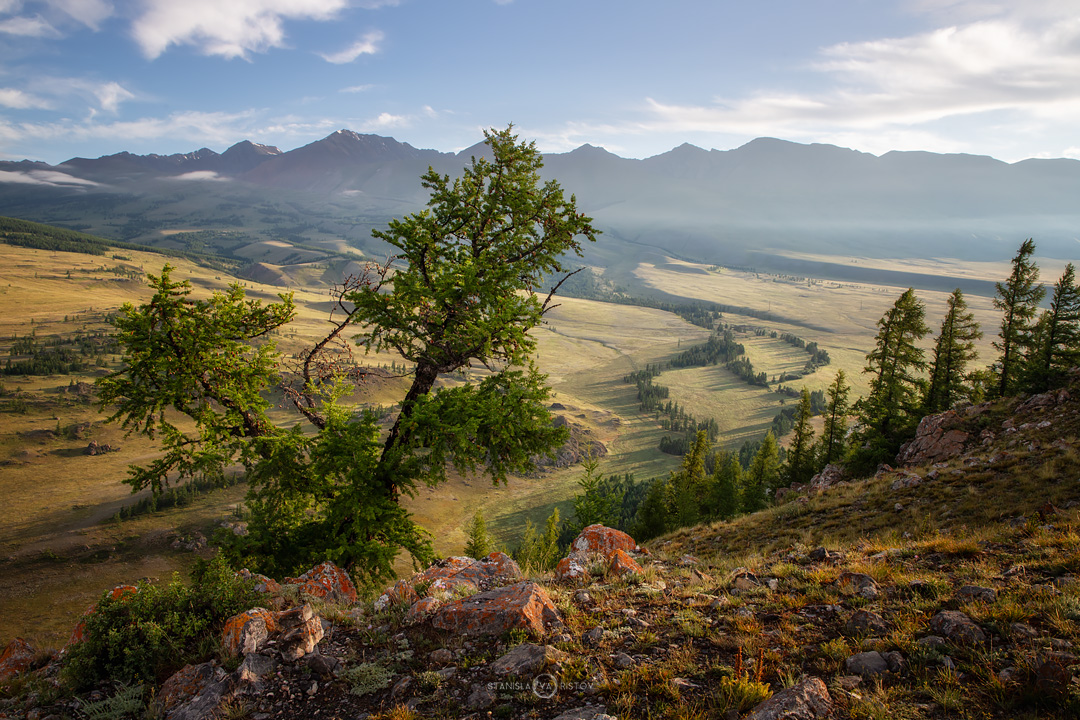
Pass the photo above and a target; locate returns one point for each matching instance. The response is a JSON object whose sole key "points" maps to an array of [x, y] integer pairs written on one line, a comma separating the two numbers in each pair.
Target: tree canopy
{"points": [[461, 290]]}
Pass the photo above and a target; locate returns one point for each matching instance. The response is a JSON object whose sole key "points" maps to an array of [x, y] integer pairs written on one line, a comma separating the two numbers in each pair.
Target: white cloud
{"points": [[386, 120], [366, 45], [230, 28], [201, 175], [376, 4], [110, 95], [44, 177], [88, 12], [356, 88], [28, 27], [1010, 67], [19, 100]]}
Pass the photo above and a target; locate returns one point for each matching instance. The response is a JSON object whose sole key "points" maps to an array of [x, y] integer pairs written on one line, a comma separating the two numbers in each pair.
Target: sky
{"points": [[638, 77]]}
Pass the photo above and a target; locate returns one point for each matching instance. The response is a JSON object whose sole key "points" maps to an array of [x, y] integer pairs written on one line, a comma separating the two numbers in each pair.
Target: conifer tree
{"points": [[1057, 335], [1018, 298], [762, 475], [480, 542], [724, 500], [799, 466], [953, 350], [686, 487], [834, 433], [889, 413]]}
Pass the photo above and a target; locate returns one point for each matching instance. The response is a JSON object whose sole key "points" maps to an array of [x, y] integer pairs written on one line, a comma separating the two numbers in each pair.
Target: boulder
{"points": [[527, 659], [957, 626], [17, 658], [862, 584], [864, 622], [622, 564], [454, 574], [301, 631], [936, 440], [571, 568], [808, 700], [263, 584], [830, 475], [195, 692], [420, 610], [247, 632], [328, 582], [866, 663], [974, 592], [523, 605], [603, 541]]}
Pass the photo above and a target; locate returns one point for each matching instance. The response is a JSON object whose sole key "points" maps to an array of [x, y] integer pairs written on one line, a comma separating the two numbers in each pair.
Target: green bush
{"points": [[149, 635]]}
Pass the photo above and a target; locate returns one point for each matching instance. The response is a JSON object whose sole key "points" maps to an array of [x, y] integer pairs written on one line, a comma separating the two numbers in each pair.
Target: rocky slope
{"points": [[947, 588]]}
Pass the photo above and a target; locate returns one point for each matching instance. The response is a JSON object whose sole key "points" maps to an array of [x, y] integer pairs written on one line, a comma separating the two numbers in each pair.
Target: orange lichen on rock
{"points": [[622, 563], [263, 584], [327, 581], [601, 540], [523, 605], [246, 632], [17, 657]]}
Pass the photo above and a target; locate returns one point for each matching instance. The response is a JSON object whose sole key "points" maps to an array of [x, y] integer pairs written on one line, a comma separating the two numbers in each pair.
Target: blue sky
{"points": [[638, 77]]}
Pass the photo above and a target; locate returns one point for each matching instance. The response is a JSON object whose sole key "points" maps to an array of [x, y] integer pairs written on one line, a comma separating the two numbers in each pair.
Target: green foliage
{"points": [[480, 543], [687, 486], [463, 290], [889, 413], [366, 677], [197, 357], [799, 467], [723, 498], [954, 349], [125, 703], [1056, 337], [834, 432], [148, 635], [600, 500], [762, 475], [540, 552], [1018, 298], [460, 290]]}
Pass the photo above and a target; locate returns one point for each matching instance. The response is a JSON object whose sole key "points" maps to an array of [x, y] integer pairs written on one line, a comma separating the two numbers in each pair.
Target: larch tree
{"points": [[1056, 336], [953, 350], [462, 289], [1018, 299], [799, 464], [762, 476], [889, 412], [834, 432]]}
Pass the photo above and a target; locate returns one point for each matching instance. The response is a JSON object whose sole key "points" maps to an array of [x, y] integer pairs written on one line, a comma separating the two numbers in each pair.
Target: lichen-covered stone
{"points": [[527, 659], [301, 631], [523, 605], [327, 581], [420, 610], [936, 440], [452, 575], [194, 692], [245, 633], [603, 541], [622, 564], [17, 657], [571, 568]]}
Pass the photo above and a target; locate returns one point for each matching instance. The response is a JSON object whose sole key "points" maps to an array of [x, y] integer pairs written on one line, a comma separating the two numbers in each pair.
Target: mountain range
{"points": [[756, 205]]}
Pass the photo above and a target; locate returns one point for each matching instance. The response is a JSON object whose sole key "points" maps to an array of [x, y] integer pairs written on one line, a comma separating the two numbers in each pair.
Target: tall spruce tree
{"points": [[953, 350], [762, 476], [1018, 299], [686, 487], [889, 412], [724, 500], [799, 466], [834, 433], [1057, 335]]}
